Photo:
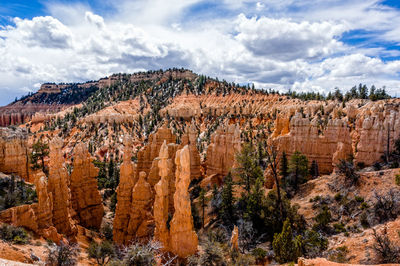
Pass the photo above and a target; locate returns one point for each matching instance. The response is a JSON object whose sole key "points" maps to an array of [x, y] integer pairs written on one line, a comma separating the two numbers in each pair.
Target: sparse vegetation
{"points": [[14, 192], [102, 252], [287, 247], [39, 152], [16, 235], [62, 255], [385, 249], [347, 169]]}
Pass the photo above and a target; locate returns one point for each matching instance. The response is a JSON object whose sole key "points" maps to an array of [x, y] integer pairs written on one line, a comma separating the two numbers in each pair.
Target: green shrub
{"points": [[338, 196], [314, 243], [287, 247], [113, 202], [16, 235], [102, 252], [107, 232], [364, 206], [140, 255], [212, 255], [339, 228], [62, 255], [397, 179], [364, 220], [243, 260], [359, 199], [259, 253], [385, 249], [218, 235], [339, 254], [323, 218], [14, 192]]}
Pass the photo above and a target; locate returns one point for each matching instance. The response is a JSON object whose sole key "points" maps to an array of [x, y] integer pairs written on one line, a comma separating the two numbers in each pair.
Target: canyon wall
{"points": [[15, 114], [225, 144], [14, 153], [305, 136], [151, 151]]}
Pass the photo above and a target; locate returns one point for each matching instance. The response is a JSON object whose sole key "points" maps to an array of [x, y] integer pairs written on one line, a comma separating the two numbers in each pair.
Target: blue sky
{"points": [[303, 45]]}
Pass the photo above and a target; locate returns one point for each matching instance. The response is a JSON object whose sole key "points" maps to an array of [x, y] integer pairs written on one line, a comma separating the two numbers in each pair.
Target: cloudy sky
{"points": [[305, 45]]}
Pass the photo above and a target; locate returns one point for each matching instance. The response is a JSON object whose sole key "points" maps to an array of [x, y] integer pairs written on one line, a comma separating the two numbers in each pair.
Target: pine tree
{"points": [[249, 169], [203, 203], [284, 171], [287, 248], [314, 171], [111, 168], [298, 169], [254, 207], [227, 211], [39, 151]]}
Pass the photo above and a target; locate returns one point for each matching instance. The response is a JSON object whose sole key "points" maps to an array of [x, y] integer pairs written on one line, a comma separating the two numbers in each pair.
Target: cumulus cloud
{"points": [[276, 48], [285, 40], [46, 32]]}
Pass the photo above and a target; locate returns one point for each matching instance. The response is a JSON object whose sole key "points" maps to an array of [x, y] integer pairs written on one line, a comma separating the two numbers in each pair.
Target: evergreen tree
{"points": [[203, 203], [287, 247], [314, 171], [227, 212], [298, 170], [249, 169], [39, 151], [284, 168], [254, 206]]}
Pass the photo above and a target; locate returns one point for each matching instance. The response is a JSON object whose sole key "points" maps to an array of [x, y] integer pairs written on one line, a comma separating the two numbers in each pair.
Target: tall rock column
{"points": [[85, 197], [184, 239], [44, 210], [189, 138], [124, 192], [140, 220], [59, 191], [161, 201]]}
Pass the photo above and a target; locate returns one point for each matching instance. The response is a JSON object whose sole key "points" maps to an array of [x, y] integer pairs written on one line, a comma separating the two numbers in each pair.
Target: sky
{"points": [[302, 45]]}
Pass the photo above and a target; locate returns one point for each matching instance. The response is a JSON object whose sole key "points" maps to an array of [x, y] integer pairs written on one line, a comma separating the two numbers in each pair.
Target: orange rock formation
{"points": [[151, 151], [36, 217], [184, 239], [161, 202], [14, 153], [326, 147], [124, 192], [85, 197], [59, 190], [235, 238], [189, 138], [221, 152], [140, 217]]}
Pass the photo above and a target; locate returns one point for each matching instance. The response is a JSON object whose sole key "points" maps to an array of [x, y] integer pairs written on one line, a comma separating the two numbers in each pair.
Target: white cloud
{"points": [[285, 40], [279, 49], [46, 32], [95, 19]]}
